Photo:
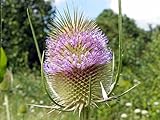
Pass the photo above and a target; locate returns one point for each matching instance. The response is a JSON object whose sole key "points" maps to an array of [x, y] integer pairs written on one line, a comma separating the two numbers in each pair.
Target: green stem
{"points": [[34, 36], [7, 106], [45, 83], [120, 43], [85, 114]]}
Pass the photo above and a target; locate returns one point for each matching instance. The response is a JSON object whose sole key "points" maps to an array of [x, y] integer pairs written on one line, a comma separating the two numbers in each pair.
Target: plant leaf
{"points": [[3, 63]]}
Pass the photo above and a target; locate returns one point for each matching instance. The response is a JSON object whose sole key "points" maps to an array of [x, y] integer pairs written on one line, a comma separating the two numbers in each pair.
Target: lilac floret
{"points": [[80, 50]]}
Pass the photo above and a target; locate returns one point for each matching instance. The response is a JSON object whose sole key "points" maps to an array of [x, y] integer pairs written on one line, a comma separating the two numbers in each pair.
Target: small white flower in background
{"points": [[4, 103], [144, 112], [136, 81], [32, 110], [32, 101], [17, 86], [128, 104], [41, 101], [158, 111], [156, 103], [137, 110], [20, 92], [124, 115]]}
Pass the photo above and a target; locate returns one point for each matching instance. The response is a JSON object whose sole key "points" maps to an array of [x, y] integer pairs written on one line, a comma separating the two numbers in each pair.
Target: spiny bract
{"points": [[77, 61]]}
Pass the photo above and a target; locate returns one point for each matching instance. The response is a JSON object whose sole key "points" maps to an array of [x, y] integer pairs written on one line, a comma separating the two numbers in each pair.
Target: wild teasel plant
{"points": [[78, 65], [77, 62]]}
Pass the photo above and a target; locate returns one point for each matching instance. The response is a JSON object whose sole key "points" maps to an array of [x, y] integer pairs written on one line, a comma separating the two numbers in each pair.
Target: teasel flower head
{"points": [[77, 63]]}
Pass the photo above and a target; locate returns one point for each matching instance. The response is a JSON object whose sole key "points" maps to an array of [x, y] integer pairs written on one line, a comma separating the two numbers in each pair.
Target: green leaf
{"points": [[3, 58], [22, 108], [4, 85], [7, 82], [3, 63]]}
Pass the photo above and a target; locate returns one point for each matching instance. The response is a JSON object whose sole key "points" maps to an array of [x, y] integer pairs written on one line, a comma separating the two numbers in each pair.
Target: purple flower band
{"points": [[79, 50]]}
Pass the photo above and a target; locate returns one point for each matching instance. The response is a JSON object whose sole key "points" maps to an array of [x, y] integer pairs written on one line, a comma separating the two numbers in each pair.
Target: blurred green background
{"points": [[22, 82]]}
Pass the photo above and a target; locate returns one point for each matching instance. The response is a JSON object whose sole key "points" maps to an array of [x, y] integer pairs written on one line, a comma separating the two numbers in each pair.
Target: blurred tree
{"points": [[134, 38], [150, 65], [16, 34]]}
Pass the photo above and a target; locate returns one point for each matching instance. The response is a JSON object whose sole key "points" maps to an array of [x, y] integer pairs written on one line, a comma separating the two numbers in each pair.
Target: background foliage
{"points": [[141, 56], [17, 37]]}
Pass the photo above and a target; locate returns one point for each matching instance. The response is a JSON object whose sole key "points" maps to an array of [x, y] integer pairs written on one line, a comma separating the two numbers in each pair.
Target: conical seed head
{"points": [[77, 59]]}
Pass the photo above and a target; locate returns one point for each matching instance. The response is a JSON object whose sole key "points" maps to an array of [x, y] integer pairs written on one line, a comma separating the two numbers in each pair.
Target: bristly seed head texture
{"points": [[77, 59]]}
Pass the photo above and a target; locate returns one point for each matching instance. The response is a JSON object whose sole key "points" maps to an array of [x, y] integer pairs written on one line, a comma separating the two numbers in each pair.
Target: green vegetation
{"points": [[141, 55], [140, 64], [17, 37]]}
